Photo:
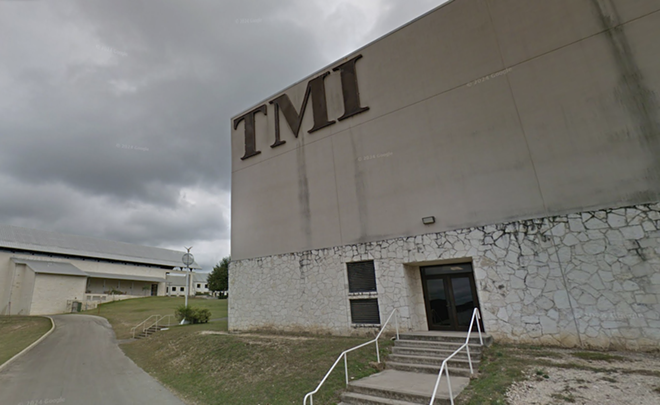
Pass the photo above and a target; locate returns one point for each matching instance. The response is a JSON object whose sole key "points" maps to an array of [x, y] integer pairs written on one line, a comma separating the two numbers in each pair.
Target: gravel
{"points": [[615, 382]]}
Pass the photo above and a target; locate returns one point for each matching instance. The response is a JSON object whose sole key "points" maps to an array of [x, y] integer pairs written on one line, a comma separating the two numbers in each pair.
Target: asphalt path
{"points": [[80, 363]]}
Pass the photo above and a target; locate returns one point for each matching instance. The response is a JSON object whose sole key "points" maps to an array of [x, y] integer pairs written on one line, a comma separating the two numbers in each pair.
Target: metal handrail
{"points": [[168, 317], [476, 315], [142, 324], [345, 352]]}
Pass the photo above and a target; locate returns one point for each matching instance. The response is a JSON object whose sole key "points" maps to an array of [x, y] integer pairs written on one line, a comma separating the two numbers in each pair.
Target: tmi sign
{"points": [[315, 91]]}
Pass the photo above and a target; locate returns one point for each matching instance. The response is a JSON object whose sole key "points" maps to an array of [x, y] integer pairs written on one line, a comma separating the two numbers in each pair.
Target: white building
{"points": [[176, 284], [43, 272], [494, 154]]}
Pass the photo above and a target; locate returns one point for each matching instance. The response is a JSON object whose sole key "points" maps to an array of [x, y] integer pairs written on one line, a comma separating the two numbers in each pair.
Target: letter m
{"points": [[315, 90]]}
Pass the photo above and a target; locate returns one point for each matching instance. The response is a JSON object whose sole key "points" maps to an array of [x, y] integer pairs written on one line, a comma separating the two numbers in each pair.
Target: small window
{"points": [[199, 286], [206, 286], [365, 311], [361, 277]]}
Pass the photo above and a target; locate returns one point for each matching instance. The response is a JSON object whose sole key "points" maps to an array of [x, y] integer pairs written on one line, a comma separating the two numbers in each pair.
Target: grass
{"points": [[19, 332], [124, 315], [597, 356], [206, 365], [256, 368], [499, 368]]}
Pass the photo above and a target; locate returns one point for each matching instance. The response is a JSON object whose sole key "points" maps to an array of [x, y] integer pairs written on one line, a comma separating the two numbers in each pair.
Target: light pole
{"points": [[188, 259]]}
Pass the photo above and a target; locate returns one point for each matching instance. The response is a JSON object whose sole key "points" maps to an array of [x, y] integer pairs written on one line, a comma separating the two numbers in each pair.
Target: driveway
{"points": [[79, 364]]}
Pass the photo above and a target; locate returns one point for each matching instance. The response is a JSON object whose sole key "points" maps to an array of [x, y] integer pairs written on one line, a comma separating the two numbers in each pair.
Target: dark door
{"points": [[154, 290], [450, 296]]}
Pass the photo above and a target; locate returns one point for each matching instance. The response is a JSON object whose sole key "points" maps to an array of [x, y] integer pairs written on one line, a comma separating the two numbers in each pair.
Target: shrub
{"points": [[193, 315]]}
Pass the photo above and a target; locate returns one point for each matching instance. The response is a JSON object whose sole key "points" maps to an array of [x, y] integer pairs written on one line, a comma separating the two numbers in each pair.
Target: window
{"points": [[365, 311], [361, 277], [199, 286], [206, 286]]}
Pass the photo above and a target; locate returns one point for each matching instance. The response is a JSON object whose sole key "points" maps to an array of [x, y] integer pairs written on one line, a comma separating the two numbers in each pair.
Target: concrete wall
{"points": [[22, 290], [481, 112], [589, 279], [51, 293], [134, 288]]}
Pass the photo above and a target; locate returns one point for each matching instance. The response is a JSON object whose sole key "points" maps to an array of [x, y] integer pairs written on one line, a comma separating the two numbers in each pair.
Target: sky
{"points": [[115, 115]]}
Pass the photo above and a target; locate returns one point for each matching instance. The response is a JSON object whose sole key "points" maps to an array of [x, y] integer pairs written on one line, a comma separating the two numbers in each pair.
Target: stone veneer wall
{"points": [[589, 279]]}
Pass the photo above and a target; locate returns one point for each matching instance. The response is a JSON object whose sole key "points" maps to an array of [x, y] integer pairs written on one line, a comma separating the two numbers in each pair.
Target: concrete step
{"points": [[434, 361], [430, 369], [443, 353], [425, 344], [394, 387], [447, 337]]}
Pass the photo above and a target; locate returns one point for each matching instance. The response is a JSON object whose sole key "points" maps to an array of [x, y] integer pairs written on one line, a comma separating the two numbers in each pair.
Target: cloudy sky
{"points": [[114, 115]]}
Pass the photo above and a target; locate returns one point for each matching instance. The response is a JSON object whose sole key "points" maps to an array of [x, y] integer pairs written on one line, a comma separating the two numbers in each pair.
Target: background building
{"points": [[43, 272], [493, 154], [176, 284]]}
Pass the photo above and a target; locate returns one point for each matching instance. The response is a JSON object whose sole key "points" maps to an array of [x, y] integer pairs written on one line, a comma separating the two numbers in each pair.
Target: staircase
{"points": [[412, 370], [149, 331], [151, 325]]}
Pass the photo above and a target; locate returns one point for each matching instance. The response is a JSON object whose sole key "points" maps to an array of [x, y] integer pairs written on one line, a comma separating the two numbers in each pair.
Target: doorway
{"points": [[154, 290], [450, 296]]}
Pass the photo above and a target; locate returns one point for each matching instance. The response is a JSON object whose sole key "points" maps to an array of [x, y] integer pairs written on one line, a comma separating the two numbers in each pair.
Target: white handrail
{"points": [[476, 315], [160, 320], [345, 352], [142, 324]]}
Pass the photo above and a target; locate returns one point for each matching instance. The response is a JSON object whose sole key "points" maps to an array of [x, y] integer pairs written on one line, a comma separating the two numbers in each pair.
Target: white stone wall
{"points": [[590, 279]]}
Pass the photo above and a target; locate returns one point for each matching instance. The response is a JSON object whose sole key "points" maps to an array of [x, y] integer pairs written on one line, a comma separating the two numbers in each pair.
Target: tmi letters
{"points": [[316, 91]]}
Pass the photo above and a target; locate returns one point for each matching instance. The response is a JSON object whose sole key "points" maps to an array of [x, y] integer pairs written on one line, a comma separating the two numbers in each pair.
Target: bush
{"points": [[193, 315]]}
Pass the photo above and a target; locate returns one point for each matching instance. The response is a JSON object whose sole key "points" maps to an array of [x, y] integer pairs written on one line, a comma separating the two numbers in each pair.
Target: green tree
{"points": [[219, 277]]}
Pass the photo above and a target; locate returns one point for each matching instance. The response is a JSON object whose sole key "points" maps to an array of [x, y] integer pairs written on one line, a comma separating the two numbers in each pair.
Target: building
{"points": [[176, 284], [43, 272], [502, 155], [200, 283]]}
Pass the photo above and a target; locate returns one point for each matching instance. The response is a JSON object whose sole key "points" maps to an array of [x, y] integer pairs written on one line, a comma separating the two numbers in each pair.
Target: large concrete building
{"points": [[43, 272], [499, 154]]}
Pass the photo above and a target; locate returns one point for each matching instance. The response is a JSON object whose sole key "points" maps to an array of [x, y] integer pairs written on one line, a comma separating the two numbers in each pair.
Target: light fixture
{"points": [[428, 220]]}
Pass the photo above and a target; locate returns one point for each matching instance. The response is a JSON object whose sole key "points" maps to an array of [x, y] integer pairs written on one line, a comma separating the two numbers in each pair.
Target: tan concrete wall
{"points": [[6, 274], [51, 293], [22, 290], [481, 112]]}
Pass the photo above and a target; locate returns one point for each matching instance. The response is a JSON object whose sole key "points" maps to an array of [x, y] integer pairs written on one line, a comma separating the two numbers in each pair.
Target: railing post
{"points": [[396, 322], [481, 340], [451, 395], [377, 352], [469, 358], [346, 368]]}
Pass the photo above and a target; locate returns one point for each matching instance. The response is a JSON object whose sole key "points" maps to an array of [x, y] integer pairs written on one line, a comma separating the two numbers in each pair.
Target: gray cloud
{"points": [[114, 115]]}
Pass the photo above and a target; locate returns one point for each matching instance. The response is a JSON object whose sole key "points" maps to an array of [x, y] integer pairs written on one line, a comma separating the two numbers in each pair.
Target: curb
{"points": [[22, 352]]}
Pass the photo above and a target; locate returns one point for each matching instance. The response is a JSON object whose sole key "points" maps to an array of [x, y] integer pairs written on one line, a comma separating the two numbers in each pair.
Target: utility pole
{"points": [[188, 259]]}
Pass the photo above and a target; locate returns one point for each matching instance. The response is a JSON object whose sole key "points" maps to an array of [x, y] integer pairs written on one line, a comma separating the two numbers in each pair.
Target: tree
{"points": [[219, 278]]}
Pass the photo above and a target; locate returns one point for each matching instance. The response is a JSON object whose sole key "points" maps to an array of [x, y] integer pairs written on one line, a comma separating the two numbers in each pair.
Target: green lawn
{"points": [[19, 332], [205, 365], [124, 315]]}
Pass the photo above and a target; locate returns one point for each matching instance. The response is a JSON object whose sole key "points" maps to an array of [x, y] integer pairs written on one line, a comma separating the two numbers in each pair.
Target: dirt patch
{"points": [[616, 378]]}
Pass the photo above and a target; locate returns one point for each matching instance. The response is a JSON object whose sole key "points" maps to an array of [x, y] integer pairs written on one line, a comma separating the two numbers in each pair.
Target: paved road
{"points": [[79, 364]]}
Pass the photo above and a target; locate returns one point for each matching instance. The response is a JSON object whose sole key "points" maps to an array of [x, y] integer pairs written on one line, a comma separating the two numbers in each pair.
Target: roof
{"points": [[200, 277], [44, 267], [125, 277], [176, 280], [15, 237]]}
